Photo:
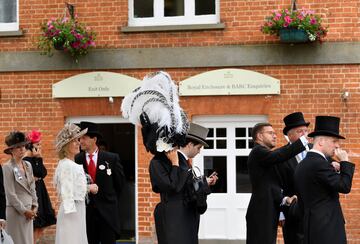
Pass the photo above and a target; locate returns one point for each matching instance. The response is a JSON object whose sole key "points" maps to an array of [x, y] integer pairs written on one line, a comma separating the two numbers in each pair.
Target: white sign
{"points": [[95, 84], [229, 82]]}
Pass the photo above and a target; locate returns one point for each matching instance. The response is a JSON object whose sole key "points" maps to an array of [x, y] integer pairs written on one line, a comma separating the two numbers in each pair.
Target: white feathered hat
{"points": [[155, 105]]}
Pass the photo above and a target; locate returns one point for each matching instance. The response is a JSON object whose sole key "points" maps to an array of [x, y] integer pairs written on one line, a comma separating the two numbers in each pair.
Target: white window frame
{"points": [[14, 26], [189, 17]]}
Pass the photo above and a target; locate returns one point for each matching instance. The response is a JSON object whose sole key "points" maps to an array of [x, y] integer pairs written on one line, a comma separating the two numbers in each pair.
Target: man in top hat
{"points": [[262, 215], [295, 127], [177, 214], [318, 185], [105, 170]]}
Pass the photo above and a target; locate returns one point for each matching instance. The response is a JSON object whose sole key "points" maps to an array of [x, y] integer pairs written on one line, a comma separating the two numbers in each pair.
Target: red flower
{"points": [[34, 136]]}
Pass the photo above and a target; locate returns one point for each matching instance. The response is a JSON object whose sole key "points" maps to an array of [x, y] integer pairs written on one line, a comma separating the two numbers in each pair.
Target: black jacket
{"points": [[176, 216], [318, 187], [106, 200], [264, 207]]}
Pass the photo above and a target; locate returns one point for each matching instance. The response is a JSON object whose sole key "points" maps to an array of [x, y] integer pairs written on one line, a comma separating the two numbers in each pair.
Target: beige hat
{"points": [[198, 133], [67, 134]]}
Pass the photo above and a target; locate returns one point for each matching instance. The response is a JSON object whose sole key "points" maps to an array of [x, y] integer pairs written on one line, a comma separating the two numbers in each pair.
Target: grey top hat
{"points": [[326, 126], [198, 133]]}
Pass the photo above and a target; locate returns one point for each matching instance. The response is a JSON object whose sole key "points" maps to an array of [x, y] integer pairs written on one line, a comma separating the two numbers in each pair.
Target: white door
{"points": [[230, 143]]}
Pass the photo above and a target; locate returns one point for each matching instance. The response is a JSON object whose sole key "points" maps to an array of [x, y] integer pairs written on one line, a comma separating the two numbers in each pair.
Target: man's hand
{"points": [[290, 200], [341, 154], [336, 166], [211, 180], [93, 188]]}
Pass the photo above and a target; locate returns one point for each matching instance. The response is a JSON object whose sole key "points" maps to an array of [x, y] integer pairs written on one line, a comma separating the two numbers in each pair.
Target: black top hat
{"points": [[294, 120], [198, 133], [92, 129], [326, 126], [15, 139]]}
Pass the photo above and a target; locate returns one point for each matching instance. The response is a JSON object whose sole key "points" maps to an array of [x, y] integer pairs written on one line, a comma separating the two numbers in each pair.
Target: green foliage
{"points": [[299, 19], [67, 35]]}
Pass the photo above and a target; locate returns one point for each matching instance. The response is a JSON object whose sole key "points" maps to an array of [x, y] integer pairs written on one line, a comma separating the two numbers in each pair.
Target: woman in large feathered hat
{"points": [[155, 106]]}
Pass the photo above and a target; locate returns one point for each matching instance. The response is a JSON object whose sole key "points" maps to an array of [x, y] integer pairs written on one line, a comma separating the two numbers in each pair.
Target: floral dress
{"points": [[70, 183]]}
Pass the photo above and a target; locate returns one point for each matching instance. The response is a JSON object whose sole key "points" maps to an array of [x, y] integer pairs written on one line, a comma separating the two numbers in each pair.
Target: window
{"points": [[9, 15], [173, 12]]}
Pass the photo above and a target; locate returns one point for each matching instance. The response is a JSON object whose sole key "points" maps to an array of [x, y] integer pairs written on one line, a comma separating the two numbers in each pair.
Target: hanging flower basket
{"points": [[67, 35], [292, 35], [295, 26]]}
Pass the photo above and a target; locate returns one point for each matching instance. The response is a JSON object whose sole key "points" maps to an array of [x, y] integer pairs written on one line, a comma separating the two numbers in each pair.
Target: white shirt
{"points": [[70, 183]]}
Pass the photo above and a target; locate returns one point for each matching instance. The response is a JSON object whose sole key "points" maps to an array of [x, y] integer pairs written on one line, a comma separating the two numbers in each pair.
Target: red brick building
{"points": [[185, 40]]}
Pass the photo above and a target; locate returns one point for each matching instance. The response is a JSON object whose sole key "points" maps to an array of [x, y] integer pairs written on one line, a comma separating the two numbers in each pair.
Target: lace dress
{"points": [[70, 183]]}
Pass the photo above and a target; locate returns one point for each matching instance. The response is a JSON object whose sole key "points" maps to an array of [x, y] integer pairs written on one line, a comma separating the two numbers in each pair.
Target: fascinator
{"points": [[155, 106], [34, 136]]}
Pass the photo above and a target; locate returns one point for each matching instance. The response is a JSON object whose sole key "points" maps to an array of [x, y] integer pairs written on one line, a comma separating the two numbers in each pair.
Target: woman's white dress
{"points": [[70, 183]]}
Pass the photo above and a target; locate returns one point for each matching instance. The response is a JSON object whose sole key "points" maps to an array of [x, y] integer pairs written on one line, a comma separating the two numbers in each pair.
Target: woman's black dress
{"points": [[46, 213]]}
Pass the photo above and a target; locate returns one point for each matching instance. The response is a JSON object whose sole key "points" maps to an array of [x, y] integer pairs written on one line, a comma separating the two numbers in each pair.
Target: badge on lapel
{"points": [[102, 167], [108, 170]]}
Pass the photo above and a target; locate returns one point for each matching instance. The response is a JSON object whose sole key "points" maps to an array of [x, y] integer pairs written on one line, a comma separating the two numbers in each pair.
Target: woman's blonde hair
{"points": [[63, 151]]}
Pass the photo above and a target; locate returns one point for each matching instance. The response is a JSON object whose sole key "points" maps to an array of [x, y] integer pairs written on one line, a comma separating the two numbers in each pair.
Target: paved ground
{"points": [[222, 242]]}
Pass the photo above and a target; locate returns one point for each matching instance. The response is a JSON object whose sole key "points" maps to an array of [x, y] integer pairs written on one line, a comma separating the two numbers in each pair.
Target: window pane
{"points": [[8, 11], [211, 132], [218, 164], [174, 8], [210, 143], [242, 175], [143, 8], [250, 129], [240, 144], [221, 144], [221, 132], [203, 7], [240, 132]]}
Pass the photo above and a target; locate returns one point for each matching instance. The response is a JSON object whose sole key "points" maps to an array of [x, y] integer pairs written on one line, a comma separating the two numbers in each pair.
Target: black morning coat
{"points": [[106, 200], [176, 217], [318, 187], [2, 196], [264, 207], [292, 229]]}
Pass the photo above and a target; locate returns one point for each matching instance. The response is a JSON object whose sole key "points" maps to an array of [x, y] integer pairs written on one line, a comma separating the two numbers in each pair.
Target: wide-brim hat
{"points": [[326, 126], [92, 128], [198, 133], [13, 140], [294, 120], [67, 134]]}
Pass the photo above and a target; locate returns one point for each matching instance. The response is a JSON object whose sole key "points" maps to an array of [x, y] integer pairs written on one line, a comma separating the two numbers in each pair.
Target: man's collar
{"points": [[318, 152], [186, 157]]}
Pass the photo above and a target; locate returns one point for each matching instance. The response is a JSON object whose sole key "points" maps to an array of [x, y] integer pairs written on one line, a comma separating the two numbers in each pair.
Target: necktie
{"points": [[189, 162], [92, 167]]}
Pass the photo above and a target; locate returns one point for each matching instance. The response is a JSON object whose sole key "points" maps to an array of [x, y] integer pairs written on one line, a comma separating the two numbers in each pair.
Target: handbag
{"points": [[5, 238], [200, 190]]}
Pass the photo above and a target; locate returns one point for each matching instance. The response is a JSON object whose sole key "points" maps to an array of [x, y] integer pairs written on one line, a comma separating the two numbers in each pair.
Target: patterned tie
{"points": [[92, 167]]}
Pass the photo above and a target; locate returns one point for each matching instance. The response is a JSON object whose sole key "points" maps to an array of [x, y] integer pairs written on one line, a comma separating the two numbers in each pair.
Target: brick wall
{"points": [[26, 101], [242, 20]]}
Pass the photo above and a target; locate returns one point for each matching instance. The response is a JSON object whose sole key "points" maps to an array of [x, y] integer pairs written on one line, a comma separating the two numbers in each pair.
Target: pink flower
{"points": [[313, 21]]}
